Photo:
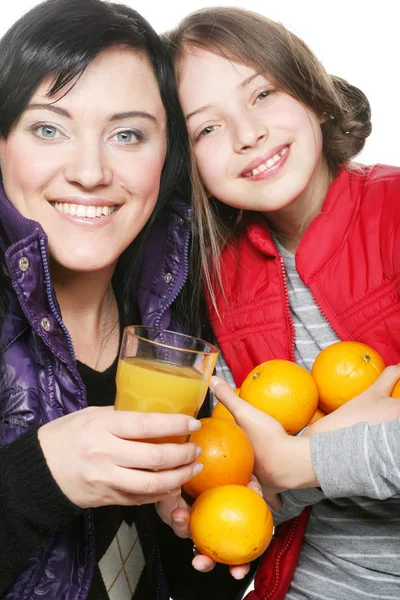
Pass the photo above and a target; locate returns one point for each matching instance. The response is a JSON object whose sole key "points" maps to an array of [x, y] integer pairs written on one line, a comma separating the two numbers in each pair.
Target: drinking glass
{"points": [[161, 371]]}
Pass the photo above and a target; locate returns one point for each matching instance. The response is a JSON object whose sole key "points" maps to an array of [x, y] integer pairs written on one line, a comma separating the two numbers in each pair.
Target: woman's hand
{"points": [[175, 511], [99, 456], [372, 406]]}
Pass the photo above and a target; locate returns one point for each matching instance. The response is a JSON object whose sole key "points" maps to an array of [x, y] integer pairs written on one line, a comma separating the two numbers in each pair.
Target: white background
{"points": [[355, 39]]}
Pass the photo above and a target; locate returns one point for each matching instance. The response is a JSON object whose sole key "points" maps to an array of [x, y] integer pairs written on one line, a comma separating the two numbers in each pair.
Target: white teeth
{"points": [[80, 210], [270, 162]]}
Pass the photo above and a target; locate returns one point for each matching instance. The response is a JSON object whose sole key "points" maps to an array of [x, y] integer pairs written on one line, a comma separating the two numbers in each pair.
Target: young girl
{"points": [[300, 249]]}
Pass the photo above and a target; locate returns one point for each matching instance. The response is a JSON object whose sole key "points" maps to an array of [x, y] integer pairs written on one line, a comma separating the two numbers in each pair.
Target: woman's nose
{"points": [[88, 167]]}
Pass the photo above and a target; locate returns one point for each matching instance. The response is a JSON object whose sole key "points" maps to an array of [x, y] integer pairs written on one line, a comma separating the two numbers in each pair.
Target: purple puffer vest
{"points": [[41, 380]]}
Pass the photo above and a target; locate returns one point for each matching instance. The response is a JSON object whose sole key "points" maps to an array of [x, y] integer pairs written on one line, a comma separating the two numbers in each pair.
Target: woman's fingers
{"points": [[131, 425], [180, 519], [203, 563], [239, 571], [139, 455], [150, 483]]}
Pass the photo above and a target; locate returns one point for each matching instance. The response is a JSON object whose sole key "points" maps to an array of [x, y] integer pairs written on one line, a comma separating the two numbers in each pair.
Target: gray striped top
{"points": [[351, 549]]}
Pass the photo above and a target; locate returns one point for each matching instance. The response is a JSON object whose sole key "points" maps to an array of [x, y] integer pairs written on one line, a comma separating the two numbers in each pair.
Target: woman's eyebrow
{"points": [[115, 117], [52, 107], [135, 114]]}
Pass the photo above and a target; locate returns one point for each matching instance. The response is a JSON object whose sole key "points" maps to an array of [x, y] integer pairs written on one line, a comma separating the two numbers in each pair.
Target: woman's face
{"points": [[256, 147], [87, 165]]}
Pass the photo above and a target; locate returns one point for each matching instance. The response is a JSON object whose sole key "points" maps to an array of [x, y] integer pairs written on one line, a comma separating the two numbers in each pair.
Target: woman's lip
{"points": [[93, 222], [271, 171], [93, 201], [254, 164]]}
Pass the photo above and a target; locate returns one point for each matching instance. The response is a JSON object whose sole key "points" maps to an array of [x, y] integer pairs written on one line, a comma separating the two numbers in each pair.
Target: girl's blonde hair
{"points": [[254, 40]]}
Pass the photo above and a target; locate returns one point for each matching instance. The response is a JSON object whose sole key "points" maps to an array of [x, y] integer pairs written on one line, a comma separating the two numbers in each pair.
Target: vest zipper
{"points": [[185, 272], [282, 551], [287, 304], [160, 573], [49, 294]]}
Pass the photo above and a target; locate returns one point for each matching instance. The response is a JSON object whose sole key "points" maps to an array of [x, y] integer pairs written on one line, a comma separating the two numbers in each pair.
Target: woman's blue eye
{"points": [[126, 137], [47, 131]]}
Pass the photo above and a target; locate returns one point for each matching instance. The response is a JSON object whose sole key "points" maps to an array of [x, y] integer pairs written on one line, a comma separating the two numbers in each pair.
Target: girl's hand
{"points": [[282, 461], [175, 511], [372, 406], [99, 456]]}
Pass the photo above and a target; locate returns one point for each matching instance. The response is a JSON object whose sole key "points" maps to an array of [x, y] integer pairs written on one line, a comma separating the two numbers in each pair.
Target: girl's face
{"points": [[86, 165], [256, 148]]}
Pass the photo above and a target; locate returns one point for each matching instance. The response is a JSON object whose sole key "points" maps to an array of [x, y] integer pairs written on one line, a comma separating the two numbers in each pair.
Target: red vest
{"points": [[349, 258]]}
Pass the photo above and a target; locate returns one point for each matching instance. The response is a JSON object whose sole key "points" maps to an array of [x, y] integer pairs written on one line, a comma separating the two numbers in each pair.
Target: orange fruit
{"points": [[228, 456], [220, 412], [284, 391], [396, 390], [343, 370], [319, 414], [231, 524]]}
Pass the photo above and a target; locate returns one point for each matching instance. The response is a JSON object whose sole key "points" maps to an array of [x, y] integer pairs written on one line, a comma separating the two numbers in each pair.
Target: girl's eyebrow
{"points": [[116, 117], [242, 84]]}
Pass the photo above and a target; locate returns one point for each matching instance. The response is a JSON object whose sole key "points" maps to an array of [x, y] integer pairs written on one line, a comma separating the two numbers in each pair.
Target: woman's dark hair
{"points": [[61, 38]]}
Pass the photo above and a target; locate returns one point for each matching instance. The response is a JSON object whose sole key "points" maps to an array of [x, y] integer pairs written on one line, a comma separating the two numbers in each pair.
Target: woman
{"points": [[299, 250], [92, 151]]}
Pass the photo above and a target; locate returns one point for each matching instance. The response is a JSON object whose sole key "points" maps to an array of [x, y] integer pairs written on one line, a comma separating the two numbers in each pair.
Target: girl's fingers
{"points": [[387, 380]]}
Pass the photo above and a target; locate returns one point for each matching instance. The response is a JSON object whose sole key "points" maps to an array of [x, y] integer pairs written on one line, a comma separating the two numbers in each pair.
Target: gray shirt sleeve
{"points": [[361, 460], [293, 502]]}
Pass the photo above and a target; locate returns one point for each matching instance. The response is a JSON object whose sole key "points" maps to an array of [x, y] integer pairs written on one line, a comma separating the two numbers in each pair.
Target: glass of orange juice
{"points": [[162, 371]]}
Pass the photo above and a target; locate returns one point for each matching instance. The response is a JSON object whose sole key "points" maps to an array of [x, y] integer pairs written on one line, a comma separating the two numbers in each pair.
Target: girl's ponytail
{"points": [[347, 125]]}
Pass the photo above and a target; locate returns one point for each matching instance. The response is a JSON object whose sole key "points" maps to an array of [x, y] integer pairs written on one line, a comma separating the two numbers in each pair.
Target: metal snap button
{"points": [[23, 264], [45, 324], [168, 277]]}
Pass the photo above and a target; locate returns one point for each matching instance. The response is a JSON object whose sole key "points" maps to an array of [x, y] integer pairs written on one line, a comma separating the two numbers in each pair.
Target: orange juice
{"points": [[146, 385]]}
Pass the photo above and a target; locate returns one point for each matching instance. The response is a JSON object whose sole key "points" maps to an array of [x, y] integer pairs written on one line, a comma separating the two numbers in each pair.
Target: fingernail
{"points": [[197, 468], [213, 383], [179, 520], [194, 425], [198, 451], [175, 492]]}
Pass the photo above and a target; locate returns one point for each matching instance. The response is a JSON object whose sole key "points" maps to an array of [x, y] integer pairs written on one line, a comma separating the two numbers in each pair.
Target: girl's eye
{"points": [[47, 132], [263, 95], [207, 130], [128, 137]]}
